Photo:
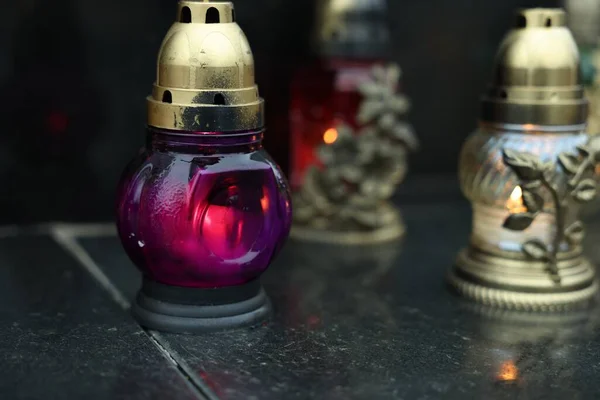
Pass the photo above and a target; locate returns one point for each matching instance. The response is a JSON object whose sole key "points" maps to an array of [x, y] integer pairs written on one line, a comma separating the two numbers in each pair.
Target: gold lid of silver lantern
{"points": [[536, 74], [351, 28]]}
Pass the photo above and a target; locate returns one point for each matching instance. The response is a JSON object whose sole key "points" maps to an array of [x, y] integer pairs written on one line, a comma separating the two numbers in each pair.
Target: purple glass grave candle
{"points": [[203, 209]]}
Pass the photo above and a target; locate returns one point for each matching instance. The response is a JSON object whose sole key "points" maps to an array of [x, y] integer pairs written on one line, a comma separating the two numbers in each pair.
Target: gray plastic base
{"points": [[168, 316]]}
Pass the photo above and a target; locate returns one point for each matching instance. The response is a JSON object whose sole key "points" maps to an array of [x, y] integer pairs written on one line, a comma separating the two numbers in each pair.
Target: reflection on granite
{"points": [[378, 322], [62, 336], [534, 351]]}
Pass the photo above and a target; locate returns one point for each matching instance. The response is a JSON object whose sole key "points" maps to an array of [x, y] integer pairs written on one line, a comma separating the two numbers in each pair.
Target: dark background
{"points": [[74, 75]]}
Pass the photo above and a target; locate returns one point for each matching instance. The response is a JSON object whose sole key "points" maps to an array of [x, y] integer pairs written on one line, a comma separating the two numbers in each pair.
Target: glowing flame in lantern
{"points": [[515, 202], [330, 135]]}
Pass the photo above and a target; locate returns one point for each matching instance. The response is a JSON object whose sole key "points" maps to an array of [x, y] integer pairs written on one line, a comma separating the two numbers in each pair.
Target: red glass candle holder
{"points": [[349, 38], [324, 95], [203, 210]]}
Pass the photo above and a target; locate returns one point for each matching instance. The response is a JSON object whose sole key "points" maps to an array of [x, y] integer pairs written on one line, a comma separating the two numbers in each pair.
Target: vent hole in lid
{"points": [[167, 97], [186, 15], [548, 22], [521, 21], [219, 99], [213, 16]]}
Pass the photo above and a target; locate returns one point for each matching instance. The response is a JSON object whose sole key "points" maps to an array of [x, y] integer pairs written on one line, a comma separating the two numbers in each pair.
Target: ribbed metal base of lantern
{"points": [[343, 223], [520, 284], [190, 310], [382, 235], [393, 229]]}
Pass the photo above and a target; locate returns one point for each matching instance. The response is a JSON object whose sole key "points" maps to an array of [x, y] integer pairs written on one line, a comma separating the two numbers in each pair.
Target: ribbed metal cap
{"points": [[352, 28], [205, 73], [536, 74]]}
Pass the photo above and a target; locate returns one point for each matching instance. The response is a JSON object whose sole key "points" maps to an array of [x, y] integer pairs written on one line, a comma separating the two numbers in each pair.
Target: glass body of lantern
{"points": [[323, 95], [203, 209], [492, 188]]}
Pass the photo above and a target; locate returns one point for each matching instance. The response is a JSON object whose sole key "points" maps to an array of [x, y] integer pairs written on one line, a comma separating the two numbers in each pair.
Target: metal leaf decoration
{"points": [[575, 233], [532, 200], [526, 166], [362, 168], [519, 222], [585, 191], [581, 188], [536, 250]]}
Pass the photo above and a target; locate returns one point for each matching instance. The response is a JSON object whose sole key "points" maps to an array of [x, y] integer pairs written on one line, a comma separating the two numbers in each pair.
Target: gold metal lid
{"points": [[536, 75], [205, 73], [352, 28]]}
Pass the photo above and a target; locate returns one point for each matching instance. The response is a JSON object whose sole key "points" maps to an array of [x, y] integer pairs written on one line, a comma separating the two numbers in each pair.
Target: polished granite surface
{"points": [[350, 323], [62, 337]]}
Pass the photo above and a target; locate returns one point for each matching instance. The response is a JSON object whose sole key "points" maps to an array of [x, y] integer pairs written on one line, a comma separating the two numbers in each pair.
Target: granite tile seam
{"points": [[69, 243], [7, 231], [98, 229], [66, 237], [83, 230]]}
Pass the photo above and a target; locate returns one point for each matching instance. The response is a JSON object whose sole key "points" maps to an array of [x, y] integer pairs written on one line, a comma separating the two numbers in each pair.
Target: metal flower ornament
{"points": [[567, 182], [346, 198]]}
